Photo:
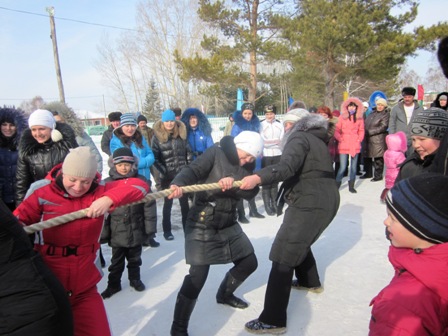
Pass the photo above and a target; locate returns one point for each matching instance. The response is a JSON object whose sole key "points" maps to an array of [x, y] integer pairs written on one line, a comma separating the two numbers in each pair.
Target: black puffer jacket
{"points": [[375, 127], [171, 150], [9, 153], [36, 160], [32, 301], [212, 233], [309, 188], [125, 226]]}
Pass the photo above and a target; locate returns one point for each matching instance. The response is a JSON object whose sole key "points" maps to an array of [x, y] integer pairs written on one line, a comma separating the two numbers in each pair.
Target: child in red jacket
{"points": [[70, 250], [416, 300]]}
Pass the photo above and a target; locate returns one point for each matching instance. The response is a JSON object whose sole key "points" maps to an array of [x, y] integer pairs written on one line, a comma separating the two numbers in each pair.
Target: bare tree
{"points": [[137, 58]]}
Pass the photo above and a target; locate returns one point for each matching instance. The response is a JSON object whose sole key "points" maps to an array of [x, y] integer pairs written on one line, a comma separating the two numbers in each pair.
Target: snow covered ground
{"points": [[351, 256]]}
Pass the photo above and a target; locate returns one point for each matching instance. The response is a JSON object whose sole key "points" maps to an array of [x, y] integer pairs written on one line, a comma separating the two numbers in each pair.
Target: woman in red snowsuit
{"points": [[70, 249]]}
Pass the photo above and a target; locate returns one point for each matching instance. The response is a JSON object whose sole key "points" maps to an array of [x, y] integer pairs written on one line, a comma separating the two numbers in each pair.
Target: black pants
{"points": [[167, 206], [279, 288], [195, 280], [277, 295], [307, 272], [116, 268]]}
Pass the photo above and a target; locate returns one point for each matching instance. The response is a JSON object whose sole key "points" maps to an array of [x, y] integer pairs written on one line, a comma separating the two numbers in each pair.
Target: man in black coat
{"points": [[312, 196], [114, 119]]}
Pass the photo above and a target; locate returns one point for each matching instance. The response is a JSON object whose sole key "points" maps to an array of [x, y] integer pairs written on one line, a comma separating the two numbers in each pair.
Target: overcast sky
{"points": [[26, 56]]}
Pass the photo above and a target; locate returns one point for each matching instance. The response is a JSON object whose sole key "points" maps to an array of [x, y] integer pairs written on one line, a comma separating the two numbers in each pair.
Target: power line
{"points": [[67, 19]]}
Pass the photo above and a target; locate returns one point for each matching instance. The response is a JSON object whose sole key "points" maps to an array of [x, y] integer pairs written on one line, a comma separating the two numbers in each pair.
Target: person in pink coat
{"points": [[393, 156], [70, 249], [349, 133], [415, 302]]}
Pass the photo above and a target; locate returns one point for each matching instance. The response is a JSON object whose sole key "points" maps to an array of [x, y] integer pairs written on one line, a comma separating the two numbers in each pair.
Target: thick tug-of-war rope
{"points": [[149, 197]]}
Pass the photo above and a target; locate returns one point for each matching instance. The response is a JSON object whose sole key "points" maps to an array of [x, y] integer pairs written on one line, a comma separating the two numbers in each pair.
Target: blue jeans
{"points": [[343, 161]]}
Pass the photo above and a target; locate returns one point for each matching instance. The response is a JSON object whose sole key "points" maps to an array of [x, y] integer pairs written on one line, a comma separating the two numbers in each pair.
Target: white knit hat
{"points": [[295, 115], [80, 162], [250, 142], [45, 118]]}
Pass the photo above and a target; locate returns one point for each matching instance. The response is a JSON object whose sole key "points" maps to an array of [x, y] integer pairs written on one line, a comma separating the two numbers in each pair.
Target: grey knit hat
{"points": [[80, 162], [431, 123]]}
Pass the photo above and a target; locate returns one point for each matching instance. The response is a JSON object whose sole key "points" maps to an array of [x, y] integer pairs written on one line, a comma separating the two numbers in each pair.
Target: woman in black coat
{"points": [[42, 146], [212, 234], [375, 127], [13, 122], [171, 153], [311, 192], [32, 300]]}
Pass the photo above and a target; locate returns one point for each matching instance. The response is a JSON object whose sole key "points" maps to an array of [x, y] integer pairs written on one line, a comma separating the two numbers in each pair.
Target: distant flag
{"points": [[290, 100], [239, 99], [420, 94]]}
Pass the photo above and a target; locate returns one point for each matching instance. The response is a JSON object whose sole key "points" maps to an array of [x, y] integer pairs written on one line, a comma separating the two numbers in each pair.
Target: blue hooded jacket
{"points": [[200, 137]]}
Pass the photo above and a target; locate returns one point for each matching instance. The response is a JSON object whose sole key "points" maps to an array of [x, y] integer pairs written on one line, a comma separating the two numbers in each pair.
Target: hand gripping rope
{"points": [[149, 197]]}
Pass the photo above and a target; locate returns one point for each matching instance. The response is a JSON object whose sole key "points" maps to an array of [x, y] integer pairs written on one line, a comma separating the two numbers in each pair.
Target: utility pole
{"points": [[50, 11]]}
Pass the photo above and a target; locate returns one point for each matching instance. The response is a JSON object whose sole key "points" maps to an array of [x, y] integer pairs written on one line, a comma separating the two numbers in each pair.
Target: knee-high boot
{"points": [[225, 292], [182, 312], [253, 212], [241, 215], [266, 194]]}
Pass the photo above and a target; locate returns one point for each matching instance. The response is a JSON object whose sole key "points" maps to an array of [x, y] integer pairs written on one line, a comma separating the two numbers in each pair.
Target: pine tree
{"points": [[338, 41], [151, 108], [246, 40]]}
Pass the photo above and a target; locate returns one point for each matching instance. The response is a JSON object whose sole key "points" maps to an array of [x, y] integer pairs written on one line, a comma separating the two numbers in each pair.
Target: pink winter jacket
{"points": [[416, 300], [393, 156], [348, 132]]}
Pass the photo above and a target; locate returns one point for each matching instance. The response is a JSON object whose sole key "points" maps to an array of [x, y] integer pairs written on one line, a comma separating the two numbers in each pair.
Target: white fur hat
{"points": [[45, 118], [295, 115], [250, 142]]}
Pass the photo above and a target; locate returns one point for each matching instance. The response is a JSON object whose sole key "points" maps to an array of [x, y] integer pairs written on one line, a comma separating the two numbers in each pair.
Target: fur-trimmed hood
{"points": [[180, 130], [67, 114], [359, 108], [29, 145], [203, 123], [312, 123], [18, 118], [251, 125]]}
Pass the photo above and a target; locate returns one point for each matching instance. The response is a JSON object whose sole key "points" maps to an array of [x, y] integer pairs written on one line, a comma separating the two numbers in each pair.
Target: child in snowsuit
{"points": [[416, 300], [124, 227], [393, 157]]}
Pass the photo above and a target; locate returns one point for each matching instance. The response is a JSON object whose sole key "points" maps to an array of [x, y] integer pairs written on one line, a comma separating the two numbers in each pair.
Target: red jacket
{"points": [[350, 133], [416, 300], [76, 273]]}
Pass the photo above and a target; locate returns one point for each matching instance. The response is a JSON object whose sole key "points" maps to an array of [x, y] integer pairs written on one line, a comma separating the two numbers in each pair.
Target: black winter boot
{"points": [[225, 292], [241, 215], [253, 212], [182, 312], [274, 192], [266, 194], [351, 187]]}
